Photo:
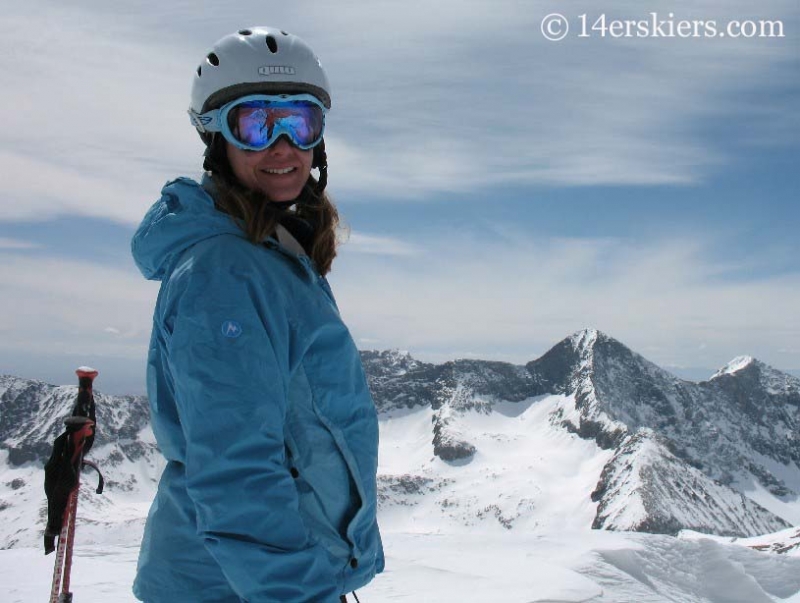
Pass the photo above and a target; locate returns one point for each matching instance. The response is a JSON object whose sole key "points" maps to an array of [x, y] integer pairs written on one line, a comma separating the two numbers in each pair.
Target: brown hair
{"points": [[258, 217]]}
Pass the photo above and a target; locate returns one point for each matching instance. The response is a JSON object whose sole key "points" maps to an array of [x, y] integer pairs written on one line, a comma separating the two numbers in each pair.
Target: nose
{"points": [[280, 146]]}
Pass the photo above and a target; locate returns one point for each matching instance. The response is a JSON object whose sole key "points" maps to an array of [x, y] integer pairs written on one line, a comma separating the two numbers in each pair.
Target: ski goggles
{"points": [[256, 121]]}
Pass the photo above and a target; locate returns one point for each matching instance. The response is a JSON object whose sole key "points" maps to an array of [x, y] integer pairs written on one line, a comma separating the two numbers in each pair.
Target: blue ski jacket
{"points": [[260, 405]]}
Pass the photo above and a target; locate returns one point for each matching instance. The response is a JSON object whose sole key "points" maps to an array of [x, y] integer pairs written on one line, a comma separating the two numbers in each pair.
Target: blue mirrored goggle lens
{"points": [[260, 123]]}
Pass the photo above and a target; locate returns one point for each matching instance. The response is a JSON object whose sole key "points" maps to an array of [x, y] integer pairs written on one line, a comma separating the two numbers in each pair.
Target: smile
{"points": [[278, 171]]}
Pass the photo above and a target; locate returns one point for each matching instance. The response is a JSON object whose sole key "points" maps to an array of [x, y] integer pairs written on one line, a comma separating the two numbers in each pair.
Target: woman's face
{"points": [[279, 171]]}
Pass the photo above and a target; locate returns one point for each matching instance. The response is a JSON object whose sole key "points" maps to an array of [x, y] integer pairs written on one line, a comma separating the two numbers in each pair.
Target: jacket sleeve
{"points": [[228, 355]]}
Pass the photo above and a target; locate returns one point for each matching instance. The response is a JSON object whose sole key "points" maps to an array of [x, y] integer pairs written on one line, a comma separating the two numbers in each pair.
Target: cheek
{"points": [[242, 164], [308, 158]]}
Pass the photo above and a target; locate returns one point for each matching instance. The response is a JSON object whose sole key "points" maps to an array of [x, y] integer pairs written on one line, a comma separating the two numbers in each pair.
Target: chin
{"points": [[281, 198], [283, 194]]}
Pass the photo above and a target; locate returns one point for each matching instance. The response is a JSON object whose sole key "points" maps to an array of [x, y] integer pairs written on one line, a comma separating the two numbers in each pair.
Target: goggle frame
{"points": [[216, 120]]}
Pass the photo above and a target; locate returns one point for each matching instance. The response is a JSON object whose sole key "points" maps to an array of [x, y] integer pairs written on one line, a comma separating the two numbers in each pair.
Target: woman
{"points": [[258, 398]]}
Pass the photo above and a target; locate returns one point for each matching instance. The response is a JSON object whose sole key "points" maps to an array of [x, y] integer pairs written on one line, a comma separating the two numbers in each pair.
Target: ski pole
{"points": [[77, 439], [83, 429]]}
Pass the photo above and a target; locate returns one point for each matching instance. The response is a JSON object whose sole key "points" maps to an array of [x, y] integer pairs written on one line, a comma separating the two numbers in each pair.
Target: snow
{"points": [[787, 507], [704, 571], [511, 523], [785, 542], [584, 340], [544, 482], [733, 366], [568, 566], [479, 568], [646, 484], [99, 574]]}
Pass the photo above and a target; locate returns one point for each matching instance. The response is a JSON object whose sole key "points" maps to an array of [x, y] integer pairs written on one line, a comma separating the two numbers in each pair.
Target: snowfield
{"points": [[497, 527], [512, 567], [544, 484]]}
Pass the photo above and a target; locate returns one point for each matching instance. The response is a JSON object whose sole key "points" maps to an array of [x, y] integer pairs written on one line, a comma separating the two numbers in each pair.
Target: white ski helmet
{"points": [[257, 60]]}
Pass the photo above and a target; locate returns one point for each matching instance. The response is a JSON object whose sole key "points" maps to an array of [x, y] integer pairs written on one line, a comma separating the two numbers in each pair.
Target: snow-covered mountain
{"points": [[645, 487], [589, 435], [681, 454], [740, 428], [31, 417]]}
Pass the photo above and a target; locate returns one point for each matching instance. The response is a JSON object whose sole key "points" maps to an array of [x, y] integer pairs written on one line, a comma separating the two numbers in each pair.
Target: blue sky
{"points": [[502, 191]]}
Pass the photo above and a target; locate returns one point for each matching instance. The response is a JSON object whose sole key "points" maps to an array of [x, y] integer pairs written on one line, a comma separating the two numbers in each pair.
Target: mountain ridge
{"points": [[617, 394], [715, 443]]}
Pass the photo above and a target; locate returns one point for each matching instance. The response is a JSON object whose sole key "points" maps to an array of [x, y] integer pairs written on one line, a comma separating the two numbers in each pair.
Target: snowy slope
{"points": [[491, 476], [31, 416], [508, 567], [647, 488], [527, 474]]}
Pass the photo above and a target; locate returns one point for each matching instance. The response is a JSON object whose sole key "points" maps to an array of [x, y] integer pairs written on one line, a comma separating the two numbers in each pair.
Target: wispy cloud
{"points": [[6, 243], [462, 294], [39, 189], [513, 300], [449, 97], [359, 242], [54, 306], [488, 101], [93, 138]]}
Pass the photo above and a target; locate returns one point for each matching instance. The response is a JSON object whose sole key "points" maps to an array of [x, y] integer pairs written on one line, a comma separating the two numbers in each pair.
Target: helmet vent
{"points": [[284, 33], [245, 32], [213, 59], [199, 70], [272, 44]]}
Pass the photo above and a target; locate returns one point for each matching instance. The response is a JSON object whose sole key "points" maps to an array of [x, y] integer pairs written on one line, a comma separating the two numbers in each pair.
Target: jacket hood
{"points": [[184, 215]]}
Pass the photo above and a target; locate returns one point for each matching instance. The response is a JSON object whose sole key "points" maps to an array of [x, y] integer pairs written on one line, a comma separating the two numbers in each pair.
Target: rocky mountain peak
{"points": [[589, 342], [583, 341], [388, 363], [748, 372], [614, 387], [737, 364], [578, 357]]}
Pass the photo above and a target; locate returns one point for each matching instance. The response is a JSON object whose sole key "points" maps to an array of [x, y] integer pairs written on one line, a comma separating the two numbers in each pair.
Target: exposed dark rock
{"points": [[406, 490], [646, 488], [447, 444], [450, 449]]}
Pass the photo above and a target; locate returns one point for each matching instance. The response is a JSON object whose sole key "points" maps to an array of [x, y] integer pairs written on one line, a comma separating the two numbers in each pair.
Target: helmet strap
{"points": [[320, 161], [215, 158]]}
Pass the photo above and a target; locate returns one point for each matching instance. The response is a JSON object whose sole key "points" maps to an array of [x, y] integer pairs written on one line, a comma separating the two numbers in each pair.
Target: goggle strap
{"points": [[207, 122]]}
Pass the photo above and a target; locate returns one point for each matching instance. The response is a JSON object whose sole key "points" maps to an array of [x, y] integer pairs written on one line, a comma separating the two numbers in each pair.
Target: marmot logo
{"points": [[231, 329], [276, 70]]}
